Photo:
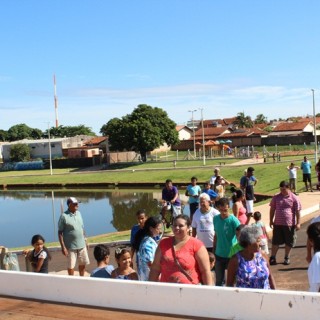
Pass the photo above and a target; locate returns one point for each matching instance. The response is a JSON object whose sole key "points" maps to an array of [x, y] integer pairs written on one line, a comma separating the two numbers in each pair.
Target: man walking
{"points": [[284, 220], [247, 183], [306, 171], [72, 237], [193, 192]]}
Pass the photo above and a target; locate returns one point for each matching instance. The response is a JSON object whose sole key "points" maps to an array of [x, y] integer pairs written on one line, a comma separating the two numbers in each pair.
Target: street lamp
{"points": [[203, 146], [50, 156], [315, 127], [194, 138]]}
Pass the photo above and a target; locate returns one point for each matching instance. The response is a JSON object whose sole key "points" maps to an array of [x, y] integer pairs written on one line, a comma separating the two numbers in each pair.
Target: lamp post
{"points": [[194, 138], [315, 127], [49, 143], [203, 146]]}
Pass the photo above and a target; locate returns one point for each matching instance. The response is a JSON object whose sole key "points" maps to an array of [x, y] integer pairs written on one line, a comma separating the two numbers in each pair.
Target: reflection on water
{"points": [[25, 213]]}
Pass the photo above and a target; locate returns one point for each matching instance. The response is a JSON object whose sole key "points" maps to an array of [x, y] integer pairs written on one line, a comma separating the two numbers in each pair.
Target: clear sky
{"points": [[225, 56]]}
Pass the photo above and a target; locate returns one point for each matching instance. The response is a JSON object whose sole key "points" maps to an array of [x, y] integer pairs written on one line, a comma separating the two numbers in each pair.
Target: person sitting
{"points": [[249, 268], [101, 253]]}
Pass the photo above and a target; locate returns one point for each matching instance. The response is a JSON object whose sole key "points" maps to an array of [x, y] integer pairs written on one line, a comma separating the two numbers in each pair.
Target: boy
{"points": [[102, 254], [225, 225], [193, 192], [141, 218], [292, 169]]}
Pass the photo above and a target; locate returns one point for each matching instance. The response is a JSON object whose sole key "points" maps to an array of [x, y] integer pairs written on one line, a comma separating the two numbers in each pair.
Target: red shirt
{"points": [[170, 272]]}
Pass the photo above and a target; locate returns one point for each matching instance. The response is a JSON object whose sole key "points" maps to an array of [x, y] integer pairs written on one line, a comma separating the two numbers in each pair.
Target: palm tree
{"points": [[243, 121], [260, 118]]}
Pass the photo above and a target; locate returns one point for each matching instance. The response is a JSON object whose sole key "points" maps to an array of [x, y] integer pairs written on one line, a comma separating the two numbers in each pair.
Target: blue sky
{"points": [[224, 56]]}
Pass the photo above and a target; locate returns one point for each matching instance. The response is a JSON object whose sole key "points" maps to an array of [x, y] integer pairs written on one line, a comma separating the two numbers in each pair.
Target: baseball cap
{"points": [[72, 200]]}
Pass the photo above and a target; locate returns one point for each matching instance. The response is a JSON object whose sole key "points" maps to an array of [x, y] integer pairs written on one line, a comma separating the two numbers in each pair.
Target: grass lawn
{"points": [[269, 174]]}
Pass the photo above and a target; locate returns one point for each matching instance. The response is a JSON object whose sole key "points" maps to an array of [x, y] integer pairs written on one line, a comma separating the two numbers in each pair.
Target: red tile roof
{"points": [[95, 140], [292, 126]]}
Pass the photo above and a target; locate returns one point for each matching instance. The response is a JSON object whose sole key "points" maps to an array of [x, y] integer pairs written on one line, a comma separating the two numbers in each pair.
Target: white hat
{"points": [[72, 200]]}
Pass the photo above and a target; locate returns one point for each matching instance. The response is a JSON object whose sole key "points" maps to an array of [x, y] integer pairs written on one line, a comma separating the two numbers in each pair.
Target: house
{"points": [[40, 148], [286, 133], [184, 132]]}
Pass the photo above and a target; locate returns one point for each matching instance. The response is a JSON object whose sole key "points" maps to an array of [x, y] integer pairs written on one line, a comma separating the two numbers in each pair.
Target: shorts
{"points": [[81, 255], [284, 235], [307, 177], [249, 206], [292, 183]]}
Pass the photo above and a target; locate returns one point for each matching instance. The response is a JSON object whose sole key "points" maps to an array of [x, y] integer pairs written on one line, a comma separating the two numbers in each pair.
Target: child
{"points": [[264, 237], [141, 218], [124, 271], [213, 195], [212, 260], [39, 256], [225, 225], [218, 187], [237, 247], [292, 169], [102, 254], [313, 232], [193, 192]]}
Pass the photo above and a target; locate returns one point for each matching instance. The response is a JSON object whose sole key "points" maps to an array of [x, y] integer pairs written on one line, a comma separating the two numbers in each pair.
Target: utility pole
{"points": [[315, 127], [194, 138], [203, 146], [55, 101]]}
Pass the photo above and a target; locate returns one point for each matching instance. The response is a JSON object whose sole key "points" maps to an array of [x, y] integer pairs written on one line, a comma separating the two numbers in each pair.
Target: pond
{"points": [[25, 213]]}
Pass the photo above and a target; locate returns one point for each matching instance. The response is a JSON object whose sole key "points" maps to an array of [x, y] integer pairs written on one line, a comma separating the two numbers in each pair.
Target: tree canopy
{"points": [[19, 132], [70, 131], [144, 130], [244, 121], [260, 118]]}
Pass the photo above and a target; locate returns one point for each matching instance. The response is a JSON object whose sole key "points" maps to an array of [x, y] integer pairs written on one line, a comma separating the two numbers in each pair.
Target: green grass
{"points": [[268, 174]]}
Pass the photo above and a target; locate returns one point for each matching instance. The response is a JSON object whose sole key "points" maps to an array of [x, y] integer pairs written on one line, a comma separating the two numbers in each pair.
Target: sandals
{"points": [[286, 261]]}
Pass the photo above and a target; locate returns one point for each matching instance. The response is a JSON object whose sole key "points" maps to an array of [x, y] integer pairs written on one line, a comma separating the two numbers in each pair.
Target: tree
{"points": [[243, 121], [70, 131], [3, 135], [260, 118], [19, 152], [19, 132], [144, 130]]}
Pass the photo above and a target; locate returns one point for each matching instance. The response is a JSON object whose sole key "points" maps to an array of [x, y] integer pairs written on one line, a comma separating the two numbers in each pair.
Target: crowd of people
{"points": [[215, 245]]}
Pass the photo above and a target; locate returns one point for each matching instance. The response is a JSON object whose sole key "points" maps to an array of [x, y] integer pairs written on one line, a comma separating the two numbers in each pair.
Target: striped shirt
{"points": [[285, 208]]}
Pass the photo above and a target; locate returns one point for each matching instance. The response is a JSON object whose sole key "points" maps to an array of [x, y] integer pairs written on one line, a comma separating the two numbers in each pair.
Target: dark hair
{"points": [[250, 169], [237, 194], [218, 178], [257, 215], [38, 237], [212, 257], [168, 180], [100, 252], [284, 184], [141, 211], [183, 217], [222, 202], [194, 178], [151, 222], [120, 251], [313, 233]]}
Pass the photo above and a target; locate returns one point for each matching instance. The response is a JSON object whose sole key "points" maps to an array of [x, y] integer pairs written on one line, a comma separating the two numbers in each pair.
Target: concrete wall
{"points": [[197, 301]]}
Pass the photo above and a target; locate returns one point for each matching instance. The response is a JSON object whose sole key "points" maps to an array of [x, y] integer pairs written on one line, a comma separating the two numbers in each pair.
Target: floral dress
{"points": [[252, 273]]}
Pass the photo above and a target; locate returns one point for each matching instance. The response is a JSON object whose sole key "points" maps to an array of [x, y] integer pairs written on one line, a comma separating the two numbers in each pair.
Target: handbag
{"points": [[179, 265]]}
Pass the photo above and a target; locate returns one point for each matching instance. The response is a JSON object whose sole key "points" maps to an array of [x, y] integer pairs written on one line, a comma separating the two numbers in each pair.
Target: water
{"points": [[25, 213]]}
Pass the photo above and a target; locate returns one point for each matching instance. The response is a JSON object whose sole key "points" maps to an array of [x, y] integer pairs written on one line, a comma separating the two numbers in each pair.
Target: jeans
{"points": [[220, 268]]}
